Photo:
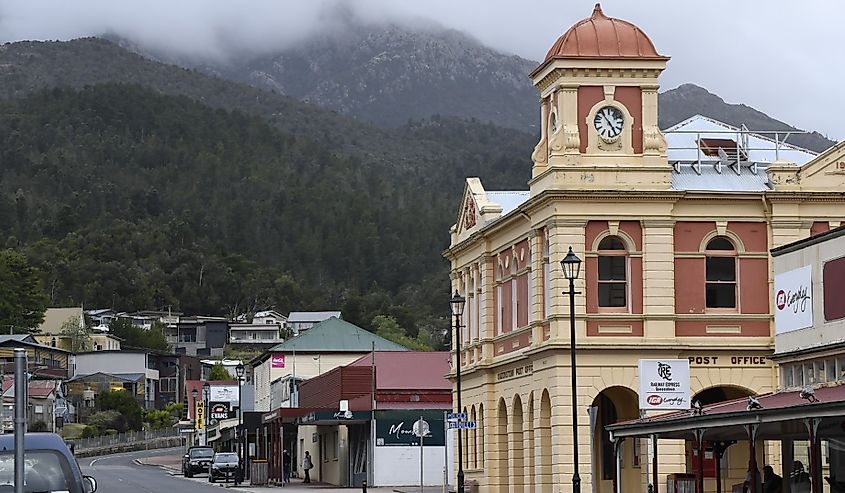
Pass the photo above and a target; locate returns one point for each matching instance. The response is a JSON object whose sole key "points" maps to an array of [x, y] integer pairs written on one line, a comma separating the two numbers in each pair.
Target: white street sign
{"points": [[664, 384]]}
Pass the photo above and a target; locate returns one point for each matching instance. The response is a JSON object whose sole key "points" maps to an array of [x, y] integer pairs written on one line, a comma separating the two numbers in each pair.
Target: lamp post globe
{"points": [[457, 303], [571, 267]]}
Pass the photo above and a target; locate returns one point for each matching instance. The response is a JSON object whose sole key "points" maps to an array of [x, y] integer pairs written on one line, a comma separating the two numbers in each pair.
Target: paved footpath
{"points": [[172, 464]]}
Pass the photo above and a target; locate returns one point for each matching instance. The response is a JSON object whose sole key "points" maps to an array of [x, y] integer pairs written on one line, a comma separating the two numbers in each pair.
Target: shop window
{"points": [[721, 273], [613, 273]]}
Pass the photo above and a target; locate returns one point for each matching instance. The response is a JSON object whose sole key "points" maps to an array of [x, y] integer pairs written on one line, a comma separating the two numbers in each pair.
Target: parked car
{"points": [[49, 465], [224, 466], [197, 460]]}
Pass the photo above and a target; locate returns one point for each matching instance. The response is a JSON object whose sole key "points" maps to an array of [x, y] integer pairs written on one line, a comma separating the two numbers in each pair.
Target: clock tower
{"points": [[598, 99]]}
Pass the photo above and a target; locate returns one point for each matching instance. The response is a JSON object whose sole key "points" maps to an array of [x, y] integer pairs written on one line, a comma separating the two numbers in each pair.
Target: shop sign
{"points": [[664, 384], [793, 300], [396, 428], [199, 415], [221, 411], [224, 393], [335, 416], [728, 360], [277, 361]]}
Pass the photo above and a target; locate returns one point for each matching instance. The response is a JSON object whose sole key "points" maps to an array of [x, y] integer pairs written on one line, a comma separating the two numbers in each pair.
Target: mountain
{"points": [[126, 197], [387, 74], [678, 104]]}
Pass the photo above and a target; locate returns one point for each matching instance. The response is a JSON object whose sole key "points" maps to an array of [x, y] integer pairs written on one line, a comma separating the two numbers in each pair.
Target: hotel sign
{"points": [[794, 300], [664, 384]]}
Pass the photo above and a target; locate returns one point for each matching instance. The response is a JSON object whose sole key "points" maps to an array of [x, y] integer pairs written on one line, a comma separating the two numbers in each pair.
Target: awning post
{"points": [[787, 458], [654, 462], [752, 460], [618, 448], [816, 484], [719, 449], [699, 447]]}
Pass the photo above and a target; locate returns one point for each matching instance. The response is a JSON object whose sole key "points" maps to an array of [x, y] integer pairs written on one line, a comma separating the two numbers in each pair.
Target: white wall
{"points": [[400, 466], [111, 362]]}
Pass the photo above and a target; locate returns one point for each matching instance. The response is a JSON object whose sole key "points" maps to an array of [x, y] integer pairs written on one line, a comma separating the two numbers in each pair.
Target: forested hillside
{"points": [[124, 197]]}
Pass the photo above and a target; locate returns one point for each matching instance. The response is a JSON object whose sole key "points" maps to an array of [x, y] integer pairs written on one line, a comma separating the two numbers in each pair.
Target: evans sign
{"points": [[664, 384], [794, 300]]}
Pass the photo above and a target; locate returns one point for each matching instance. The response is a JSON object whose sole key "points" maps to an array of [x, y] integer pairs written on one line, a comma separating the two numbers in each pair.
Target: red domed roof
{"points": [[600, 36]]}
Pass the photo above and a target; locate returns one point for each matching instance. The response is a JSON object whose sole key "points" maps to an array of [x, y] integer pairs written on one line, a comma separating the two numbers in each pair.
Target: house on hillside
{"points": [[56, 318], [134, 370], [327, 345], [301, 321], [43, 361], [101, 317], [198, 335]]}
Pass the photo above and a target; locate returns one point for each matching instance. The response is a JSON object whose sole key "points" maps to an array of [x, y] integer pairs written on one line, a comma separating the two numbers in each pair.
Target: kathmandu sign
{"points": [[794, 300], [664, 384]]}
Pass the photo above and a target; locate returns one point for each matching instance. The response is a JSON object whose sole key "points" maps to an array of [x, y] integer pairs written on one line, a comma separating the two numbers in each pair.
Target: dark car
{"points": [[49, 465], [196, 461], [224, 466]]}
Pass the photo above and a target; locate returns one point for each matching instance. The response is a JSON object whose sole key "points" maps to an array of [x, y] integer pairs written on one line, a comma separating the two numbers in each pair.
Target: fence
{"points": [[124, 438]]}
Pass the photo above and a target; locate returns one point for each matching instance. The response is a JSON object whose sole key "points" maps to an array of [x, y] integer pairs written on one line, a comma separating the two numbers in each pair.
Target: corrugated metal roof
{"points": [[509, 200], [18, 338], [726, 181], [429, 370], [295, 317], [55, 317], [335, 335]]}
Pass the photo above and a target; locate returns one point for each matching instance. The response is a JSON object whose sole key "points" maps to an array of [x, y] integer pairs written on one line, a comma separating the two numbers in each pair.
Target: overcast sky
{"points": [[783, 57]]}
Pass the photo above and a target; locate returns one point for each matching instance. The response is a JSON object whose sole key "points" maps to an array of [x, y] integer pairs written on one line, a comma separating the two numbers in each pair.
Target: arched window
{"points": [[552, 123], [721, 273], [613, 273]]}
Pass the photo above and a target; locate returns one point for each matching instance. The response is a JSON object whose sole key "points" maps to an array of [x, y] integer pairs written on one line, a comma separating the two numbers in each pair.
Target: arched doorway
{"points": [[529, 444], [502, 446], [734, 463], [545, 428], [615, 404], [517, 449]]}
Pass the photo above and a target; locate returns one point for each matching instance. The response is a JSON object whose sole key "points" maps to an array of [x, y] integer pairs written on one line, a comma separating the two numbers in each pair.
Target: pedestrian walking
{"points": [[307, 465], [286, 462]]}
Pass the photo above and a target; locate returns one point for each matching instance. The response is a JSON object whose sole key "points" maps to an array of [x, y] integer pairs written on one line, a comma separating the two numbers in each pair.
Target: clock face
{"points": [[609, 123]]}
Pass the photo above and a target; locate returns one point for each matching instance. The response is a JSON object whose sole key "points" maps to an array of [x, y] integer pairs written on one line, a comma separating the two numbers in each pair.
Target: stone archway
{"points": [[529, 444], [545, 449], [502, 446], [734, 464], [615, 404], [517, 446]]}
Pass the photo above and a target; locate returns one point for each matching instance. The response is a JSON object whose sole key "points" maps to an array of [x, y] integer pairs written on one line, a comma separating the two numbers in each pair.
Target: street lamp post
{"points": [[240, 370], [194, 394], [571, 266], [206, 393], [457, 304]]}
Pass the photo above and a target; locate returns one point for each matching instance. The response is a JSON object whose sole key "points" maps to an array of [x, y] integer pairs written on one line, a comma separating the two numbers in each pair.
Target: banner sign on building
{"points": [[224, 393], [396, 428], [664, 384], [794, 300], [221, 411], [199, 412], [277, 361]]}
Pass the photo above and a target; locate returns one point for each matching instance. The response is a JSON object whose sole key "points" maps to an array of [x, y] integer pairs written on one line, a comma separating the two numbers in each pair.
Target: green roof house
{"points": [[325, 346]]}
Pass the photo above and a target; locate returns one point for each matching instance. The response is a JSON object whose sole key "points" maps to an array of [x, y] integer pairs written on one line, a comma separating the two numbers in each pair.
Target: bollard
{"points": [[364, 486]]}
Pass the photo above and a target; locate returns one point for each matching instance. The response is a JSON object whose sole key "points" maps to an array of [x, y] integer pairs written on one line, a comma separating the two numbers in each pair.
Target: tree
{"points": [[22, 301], [134, 336], [387, 327], [78, 333], [219, 372], [131, 413]]}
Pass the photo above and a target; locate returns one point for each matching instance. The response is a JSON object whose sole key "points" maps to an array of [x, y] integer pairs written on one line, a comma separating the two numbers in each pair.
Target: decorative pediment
{"points": [[824, 173]]}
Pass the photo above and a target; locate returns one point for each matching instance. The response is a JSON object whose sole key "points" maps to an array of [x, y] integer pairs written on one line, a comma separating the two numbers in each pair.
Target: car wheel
{"points": [[189, 474]]}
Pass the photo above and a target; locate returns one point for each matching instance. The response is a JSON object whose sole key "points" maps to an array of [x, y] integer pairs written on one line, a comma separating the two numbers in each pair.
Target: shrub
{"points": [[90, 432], [38, 426]]}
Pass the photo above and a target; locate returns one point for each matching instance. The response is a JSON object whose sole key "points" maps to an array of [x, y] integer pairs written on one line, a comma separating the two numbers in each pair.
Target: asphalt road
{"points": [[120, 474]]}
